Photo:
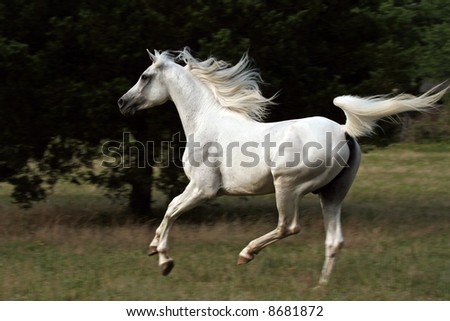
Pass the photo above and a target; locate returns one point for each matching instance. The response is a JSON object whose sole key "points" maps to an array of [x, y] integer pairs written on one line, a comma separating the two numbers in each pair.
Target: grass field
{"points": [[395, 220]]}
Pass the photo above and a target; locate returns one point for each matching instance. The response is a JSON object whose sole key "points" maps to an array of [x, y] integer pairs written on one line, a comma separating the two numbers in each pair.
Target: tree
{"points": [[64, 65]]}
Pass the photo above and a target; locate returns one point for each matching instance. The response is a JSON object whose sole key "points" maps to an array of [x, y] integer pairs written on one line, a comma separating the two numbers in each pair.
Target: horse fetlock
{"points": [[153, 246], [152, 250], [162, 249], [333, 248], [323, 282]]}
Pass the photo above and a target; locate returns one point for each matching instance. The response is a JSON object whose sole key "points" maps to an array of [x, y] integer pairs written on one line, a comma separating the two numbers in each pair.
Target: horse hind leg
{"points": [[287, 205], [331, 198], [334, 240]]}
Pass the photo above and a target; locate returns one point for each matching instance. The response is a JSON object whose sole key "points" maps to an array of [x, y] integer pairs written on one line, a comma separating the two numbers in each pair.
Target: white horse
{"points": [[231, 152]]}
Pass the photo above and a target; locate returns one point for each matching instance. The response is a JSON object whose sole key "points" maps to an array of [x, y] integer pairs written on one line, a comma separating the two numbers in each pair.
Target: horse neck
{"points": [[193, 100]]}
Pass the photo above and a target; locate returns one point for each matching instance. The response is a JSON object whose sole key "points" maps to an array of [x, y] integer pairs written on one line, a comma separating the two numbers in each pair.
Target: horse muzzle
{"points": [[126, 106]]}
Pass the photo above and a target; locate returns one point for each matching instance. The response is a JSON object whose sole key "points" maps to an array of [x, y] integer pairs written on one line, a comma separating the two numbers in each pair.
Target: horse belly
{"points": [[246, 181]]}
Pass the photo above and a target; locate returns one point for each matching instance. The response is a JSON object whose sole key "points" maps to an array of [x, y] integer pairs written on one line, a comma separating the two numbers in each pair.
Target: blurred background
{"points": [[63, 65]]}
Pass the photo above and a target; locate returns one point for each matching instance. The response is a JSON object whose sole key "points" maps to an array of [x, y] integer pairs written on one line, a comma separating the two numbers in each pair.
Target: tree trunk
{"points": [[141, 194]]}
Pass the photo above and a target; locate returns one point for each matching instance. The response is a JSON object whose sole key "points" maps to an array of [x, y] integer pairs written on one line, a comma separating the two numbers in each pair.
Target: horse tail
{"points": [[362, 113]]}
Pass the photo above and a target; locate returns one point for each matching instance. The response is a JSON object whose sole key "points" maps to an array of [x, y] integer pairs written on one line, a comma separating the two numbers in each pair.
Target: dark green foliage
{"points": [[63, 65]]}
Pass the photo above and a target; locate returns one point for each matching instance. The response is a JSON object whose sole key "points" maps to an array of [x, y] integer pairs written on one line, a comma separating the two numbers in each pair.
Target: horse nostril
{"points": [[120, 102]]}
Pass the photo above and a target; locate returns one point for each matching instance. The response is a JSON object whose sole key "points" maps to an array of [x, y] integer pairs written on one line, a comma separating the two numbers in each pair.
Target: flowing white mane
{"points": [[235, 87]]}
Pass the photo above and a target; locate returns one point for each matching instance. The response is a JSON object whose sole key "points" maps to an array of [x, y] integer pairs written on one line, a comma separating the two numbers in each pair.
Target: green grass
{"points": [[395, 220]]}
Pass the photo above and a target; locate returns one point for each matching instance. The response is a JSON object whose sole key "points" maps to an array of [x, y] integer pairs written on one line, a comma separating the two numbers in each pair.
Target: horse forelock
{"points": [[160, 57]]}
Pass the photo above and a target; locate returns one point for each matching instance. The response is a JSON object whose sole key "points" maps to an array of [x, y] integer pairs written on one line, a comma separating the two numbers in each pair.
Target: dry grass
{"points": [[395, 222], [97, 263]]}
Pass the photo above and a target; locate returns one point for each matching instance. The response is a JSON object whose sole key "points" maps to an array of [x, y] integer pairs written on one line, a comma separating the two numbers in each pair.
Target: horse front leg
{"points": [[190, 198], [152, 248]]}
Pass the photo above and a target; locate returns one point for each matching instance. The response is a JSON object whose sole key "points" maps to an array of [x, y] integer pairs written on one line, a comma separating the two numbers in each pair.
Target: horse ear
{"points": [[152, 56]]}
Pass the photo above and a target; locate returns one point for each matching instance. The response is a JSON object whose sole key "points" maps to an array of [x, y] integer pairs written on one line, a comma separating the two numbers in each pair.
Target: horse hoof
{"points": [[243, 260], [320, 287], [166, 267], [152, 250]]}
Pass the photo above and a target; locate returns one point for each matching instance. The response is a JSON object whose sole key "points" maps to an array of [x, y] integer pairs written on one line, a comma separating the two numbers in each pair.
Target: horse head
{"points": [[149, 91]]}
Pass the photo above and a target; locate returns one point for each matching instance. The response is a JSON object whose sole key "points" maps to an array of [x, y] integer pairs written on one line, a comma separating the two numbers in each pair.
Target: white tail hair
{"points": [[362, 113]]}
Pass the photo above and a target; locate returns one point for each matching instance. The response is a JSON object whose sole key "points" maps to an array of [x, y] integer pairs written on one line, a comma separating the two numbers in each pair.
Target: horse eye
{"points": [[144, 77]]}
